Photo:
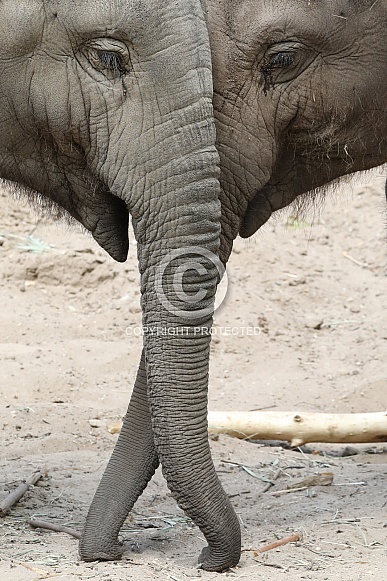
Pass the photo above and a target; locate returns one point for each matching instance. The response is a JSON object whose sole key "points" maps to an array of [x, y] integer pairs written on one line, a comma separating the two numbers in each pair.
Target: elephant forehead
{"points": [[101, 17], [167, 38], [21, 27], [253, 23], [135, 21]]}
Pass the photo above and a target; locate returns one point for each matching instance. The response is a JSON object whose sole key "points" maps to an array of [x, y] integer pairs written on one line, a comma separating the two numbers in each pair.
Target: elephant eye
{"points": [[280, 60], [111, 61], [107, 56], [284, 62]]}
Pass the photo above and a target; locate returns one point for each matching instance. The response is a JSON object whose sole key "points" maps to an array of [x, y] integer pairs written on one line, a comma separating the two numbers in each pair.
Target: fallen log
{"points": [[301, 427], [14, 496]]}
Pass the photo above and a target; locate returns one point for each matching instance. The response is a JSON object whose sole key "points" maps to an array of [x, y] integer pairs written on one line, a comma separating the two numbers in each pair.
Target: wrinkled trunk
{"points": [[173, 197], [131, 466], [179, 275], [177, 318]]}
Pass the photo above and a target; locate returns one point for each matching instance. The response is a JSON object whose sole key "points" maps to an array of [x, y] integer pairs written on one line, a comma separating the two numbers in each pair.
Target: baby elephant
{"points": [[107, 109], [300, 93]]}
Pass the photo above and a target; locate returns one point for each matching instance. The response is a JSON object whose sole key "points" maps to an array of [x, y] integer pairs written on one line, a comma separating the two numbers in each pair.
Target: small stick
{"points": [[42, 524], [274, 477], [362, 264], [288, 490], [274, 565], [291, 539], [19, 492], [35, 569]]}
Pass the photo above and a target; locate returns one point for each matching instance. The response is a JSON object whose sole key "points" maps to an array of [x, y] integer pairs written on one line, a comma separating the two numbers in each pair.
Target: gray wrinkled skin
{"points": [[106, 110], [300, 92]]}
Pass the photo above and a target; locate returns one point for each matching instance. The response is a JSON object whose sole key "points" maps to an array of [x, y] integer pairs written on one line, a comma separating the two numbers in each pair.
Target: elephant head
{"points": [[105, 111], [300, 90]]}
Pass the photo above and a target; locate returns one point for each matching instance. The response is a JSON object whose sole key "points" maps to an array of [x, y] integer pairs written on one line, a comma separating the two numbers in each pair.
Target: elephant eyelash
{"points": [[112, 61], [281, 60]]}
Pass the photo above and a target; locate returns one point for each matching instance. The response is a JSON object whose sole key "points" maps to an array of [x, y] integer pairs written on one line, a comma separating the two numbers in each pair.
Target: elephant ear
{"points": [[257, 213], [111, 230]]}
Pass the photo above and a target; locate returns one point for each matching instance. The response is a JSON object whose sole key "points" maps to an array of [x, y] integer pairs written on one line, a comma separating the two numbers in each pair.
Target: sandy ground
{"points": [[317, 289]]}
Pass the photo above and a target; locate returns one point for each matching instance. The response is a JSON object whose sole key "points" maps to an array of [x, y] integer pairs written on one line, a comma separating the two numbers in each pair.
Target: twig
{"points": [[341, 521], [355, 261], [291, 539], [274, 565], [274, 477], [41, 572], [361, 483], [249, 471], [19, 492], [42, 524], [288, 490]]}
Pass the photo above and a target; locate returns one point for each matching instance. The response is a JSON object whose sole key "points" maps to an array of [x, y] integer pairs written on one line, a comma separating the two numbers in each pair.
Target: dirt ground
{"points": [[317, 289]]}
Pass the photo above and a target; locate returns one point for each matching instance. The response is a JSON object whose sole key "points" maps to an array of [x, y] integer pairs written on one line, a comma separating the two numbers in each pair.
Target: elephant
{"points": [[199, 119], [299, 101], [105, 111]]}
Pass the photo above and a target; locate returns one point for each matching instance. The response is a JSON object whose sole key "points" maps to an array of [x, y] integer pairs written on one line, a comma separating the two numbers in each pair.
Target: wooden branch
{"points": [[42, 524], [301, 427], [14, 496], [291, 539], [41, 572]]}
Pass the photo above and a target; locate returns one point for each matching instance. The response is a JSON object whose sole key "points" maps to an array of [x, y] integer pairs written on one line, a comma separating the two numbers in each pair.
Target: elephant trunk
{"points": [[178, 242], [177, 301]]}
